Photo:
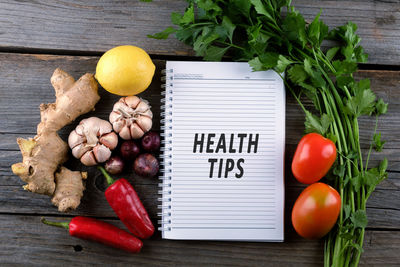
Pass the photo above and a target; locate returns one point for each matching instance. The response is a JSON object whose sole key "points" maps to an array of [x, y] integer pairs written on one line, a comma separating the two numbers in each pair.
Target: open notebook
{"points": [[223, 135]]}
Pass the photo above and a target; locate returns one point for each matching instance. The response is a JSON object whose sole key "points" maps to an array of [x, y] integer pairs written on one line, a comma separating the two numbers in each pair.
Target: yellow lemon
{"points": [[125, 70]]}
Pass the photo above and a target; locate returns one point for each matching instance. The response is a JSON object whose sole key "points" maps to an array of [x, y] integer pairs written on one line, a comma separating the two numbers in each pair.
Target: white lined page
{"points": [[223, 99]]}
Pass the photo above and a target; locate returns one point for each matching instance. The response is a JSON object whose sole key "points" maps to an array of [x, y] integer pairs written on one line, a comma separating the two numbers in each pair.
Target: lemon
{"points": [[125, 70]]}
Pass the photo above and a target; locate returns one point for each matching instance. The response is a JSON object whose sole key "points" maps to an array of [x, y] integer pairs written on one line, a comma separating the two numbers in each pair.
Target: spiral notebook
{"points": [[223, 131]]}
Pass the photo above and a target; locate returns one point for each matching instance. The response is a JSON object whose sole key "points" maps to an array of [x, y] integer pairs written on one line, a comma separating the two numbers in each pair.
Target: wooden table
{"points": [[38, 36]]}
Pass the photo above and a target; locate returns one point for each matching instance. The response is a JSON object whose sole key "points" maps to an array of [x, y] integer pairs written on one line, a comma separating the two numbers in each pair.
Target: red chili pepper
{"points": [[126, 204], [102, 232]]}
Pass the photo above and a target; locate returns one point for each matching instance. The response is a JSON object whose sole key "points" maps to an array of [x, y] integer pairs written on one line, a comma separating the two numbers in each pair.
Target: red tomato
{"points": [[313, 158], [316, 210]]}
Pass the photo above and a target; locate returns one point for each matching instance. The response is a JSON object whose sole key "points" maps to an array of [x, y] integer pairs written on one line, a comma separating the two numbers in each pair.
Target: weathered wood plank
{"points": [[100, 25], [383, 206], [381, 210], [22, 94], [26, 241]]}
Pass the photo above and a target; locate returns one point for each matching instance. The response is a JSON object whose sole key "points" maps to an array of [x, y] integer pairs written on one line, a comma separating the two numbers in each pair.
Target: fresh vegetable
{"points": [[131, 117], [125, 70], [151, 141], [115, 165], [69, 189], [268, 37], [92, 141], [146, 165], [316, 210], [129, 150], [43, 155], [126, 204], [98, 231], [313, 158]]}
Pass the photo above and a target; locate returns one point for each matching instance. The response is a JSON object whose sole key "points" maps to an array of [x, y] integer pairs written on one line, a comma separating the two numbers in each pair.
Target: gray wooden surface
{"points": [[97, 25], [83, 29]]}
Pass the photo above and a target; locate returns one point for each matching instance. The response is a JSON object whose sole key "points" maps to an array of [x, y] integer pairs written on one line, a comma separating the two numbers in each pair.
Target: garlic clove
{"points": [[132, 101], [114, 116], [118, 125], [110, 140], [145, 123], [124, 133], [136, 131], [96, 126], [148, 113], [79, 129], [101, 153], [88, 159], [142, 107], [79, 150], [75, 139], [120, 106], [104, 127]]}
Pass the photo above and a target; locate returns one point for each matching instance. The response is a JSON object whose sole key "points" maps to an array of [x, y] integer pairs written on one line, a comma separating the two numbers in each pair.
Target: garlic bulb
{"points": [[92, 141], [131, 117]]}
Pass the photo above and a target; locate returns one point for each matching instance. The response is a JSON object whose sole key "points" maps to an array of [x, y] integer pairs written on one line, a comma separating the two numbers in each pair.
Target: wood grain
{"points": [[24, 240], [32, 243], [98, 25], [26, 92]]}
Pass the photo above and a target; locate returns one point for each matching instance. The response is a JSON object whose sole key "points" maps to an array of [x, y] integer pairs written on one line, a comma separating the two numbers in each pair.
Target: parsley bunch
{"points": [[271, 34]]}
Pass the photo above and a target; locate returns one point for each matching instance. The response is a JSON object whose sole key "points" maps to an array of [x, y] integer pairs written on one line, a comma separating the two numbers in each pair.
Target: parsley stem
{"points": [[360, 243], [326, 62], [269, 33], [370, 147], [357, 135], [199, 24], [293, 93], [231, 45]]}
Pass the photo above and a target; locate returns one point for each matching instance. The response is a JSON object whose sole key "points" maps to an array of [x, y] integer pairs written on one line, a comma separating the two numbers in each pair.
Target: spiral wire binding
{"points": [[166, 150]]}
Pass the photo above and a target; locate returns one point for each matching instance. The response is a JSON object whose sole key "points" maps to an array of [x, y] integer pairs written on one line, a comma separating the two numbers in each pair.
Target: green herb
{"points": [[258, 31]]}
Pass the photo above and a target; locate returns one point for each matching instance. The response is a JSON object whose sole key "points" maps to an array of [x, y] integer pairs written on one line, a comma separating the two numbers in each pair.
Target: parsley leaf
{"points": [[243, 6], [380, 107], [359, 219], [383, 166], [256, 64], [363, 101], [188, 16], [357, 181], [317, 31], [330, 54], [294, 28], [282, 64], [339, 170], [215, 53], [378, 143], [344, 67], [261, 9], [162, 35], [209, 6], [315, 124], [229, 26], [269, 60], [297, 74]]}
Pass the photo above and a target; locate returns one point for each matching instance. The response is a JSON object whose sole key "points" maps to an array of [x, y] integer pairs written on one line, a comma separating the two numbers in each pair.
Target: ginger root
{"points": [[69, 190], [43, 154]]}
